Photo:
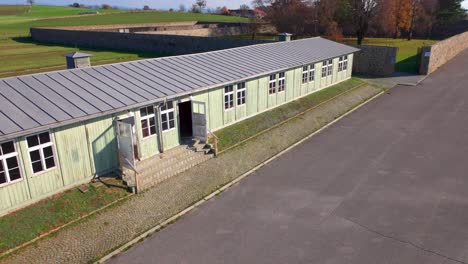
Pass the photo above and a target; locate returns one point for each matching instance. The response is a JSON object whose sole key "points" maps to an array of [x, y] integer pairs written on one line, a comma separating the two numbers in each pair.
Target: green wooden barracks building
{"points": [[61, 129]]}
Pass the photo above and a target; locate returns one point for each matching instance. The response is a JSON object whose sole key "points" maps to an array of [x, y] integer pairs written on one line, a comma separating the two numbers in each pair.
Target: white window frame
{"points": [[229, 100], [311, 73], [305, 72], [345, 63], [148, 118], [340, 64], [281, 82], [6, 169], [241, 93], [41, 148], [272, 89], [324, 68], [166, 113], [330, 67]]}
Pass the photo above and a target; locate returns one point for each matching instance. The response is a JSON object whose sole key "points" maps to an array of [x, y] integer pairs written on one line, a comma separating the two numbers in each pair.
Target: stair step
{"points": [[158, 162]]}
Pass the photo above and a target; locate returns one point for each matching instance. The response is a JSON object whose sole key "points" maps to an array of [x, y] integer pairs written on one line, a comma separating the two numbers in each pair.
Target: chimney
{"points": [[77, 60], [284, 37]]}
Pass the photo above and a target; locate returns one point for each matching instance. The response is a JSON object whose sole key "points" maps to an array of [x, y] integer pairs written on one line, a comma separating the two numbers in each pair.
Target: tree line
{"points": [[360, 18]]}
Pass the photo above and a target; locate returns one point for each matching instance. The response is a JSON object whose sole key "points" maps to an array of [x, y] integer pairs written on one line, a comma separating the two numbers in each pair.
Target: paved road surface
{"points": [[387, 184]]}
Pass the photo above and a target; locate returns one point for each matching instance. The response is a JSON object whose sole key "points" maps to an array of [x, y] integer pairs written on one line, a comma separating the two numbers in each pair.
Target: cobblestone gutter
{"points": [[99, 235]]}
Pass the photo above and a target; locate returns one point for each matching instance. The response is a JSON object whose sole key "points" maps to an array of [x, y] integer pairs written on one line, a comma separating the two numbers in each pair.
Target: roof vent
{"points": [[77, 60], [284, 37]]}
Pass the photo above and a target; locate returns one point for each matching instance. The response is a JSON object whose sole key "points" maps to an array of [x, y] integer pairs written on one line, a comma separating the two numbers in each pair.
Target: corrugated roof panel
{"points": [[88, 100], [56, 99], [51, 99]]}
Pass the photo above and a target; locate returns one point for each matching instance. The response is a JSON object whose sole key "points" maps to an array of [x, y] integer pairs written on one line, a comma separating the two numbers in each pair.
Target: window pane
{"points": [[170, 105], [145, 132], [50, 162], [152, 122], [164, 126], [1, 166], [153, 130], [48, 152], [33, 141], [14, 174], [2, 177], [12, 163], [44, 138], [35, 156], [273, 77], [171, 115], [171, 124], [8, 147], [150, 110], [37, 166], [143, 112], [164, 117]]}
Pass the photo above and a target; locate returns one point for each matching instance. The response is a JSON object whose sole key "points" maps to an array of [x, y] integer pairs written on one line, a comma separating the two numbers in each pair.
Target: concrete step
{"points": [[168, 153], [164, 161], [151, 177]]}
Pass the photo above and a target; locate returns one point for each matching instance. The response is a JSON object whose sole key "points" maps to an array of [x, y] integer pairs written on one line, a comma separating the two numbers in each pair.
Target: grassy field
{"points": [[238, 132], [35, 220], [25, 56], [407, 56]]}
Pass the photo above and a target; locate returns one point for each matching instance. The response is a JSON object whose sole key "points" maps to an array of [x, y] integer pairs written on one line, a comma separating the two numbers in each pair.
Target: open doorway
{"points": [[185, 119]]}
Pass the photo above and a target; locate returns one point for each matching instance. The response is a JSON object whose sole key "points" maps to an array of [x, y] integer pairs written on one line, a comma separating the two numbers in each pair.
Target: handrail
{"points": [[215, 143]]}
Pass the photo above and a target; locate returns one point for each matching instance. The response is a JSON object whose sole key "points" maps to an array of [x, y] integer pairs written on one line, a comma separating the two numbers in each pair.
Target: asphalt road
{"points": [[387, 184]]}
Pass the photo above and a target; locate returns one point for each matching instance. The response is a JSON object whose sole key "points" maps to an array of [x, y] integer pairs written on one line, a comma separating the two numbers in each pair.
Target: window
{"points": [[9, 165], [241, 93], [330, 67], [272, 84], [345, 63], [148, 121], [228, 97], [305, 71], [324, 69], [281, 82], [340, 64], [312, 73], [167, 116], [41, 152]]}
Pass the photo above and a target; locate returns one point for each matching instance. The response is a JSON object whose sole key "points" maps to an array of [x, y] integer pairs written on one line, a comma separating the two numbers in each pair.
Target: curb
{"points": [[228, 185]]}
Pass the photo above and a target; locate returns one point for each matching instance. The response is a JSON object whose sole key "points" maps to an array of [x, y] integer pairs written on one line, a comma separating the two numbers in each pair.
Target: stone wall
{"points": [[440, 53], [164, 44], [375, 60]]}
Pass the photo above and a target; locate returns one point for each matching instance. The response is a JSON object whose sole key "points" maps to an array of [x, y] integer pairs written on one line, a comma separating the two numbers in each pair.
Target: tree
{"points": [[77, 5], [292, 16], [450, 11], [201, 4], [182, 8], [106, 6], [225, 11], [362, 13], [244, 7], [146, 7]]}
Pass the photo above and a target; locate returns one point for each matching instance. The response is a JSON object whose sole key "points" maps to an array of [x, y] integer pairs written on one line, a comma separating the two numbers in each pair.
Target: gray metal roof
{"points": [[32, 103]]}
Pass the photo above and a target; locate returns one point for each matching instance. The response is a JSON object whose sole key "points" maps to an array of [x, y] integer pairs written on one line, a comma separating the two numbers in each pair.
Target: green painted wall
{"points": [[86, 149]]}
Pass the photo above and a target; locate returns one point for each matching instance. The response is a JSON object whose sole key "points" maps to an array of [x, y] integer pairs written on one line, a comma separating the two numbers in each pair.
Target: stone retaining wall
{"points": [[442, 52], [164, 44], [375, 60]]}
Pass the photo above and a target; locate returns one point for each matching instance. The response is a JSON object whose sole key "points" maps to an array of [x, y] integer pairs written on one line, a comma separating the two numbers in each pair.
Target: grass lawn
{"points": [[238, 132], [407, 56], [30, 222], [25, 56]]}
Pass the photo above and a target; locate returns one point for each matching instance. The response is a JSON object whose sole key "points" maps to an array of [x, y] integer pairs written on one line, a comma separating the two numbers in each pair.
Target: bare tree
{"points": [[201, 4], [146, 7], [362, 12], [182, 8], [30, 3]]}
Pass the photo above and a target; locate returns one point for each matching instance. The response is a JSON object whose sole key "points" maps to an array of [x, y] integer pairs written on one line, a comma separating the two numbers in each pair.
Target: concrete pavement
{"points": [[387, 184]]}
